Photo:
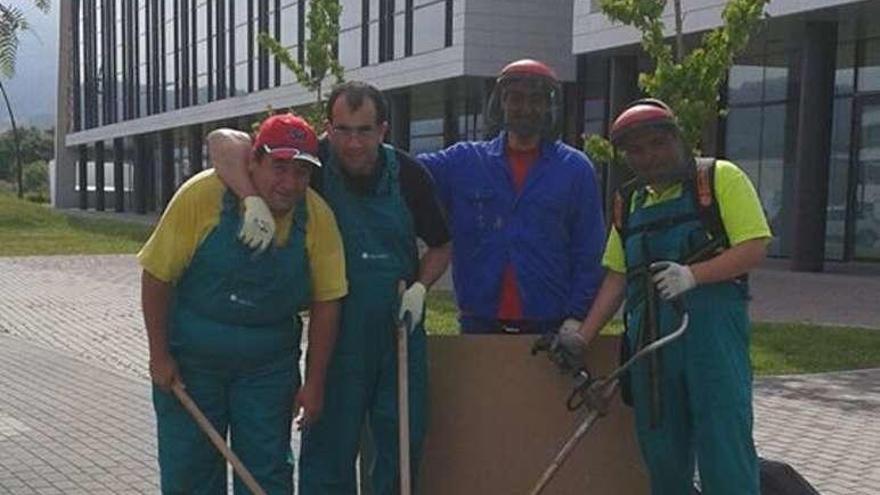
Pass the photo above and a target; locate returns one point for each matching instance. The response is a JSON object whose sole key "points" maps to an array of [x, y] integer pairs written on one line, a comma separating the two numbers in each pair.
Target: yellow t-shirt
{"points": [[741, 212], [195, 210]]}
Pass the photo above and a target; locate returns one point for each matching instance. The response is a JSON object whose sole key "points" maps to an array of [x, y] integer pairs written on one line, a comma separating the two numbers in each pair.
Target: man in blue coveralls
{"points": [[223, 322], [525, 213]]}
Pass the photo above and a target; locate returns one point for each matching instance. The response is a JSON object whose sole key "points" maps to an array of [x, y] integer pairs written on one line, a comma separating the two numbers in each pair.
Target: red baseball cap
{"points": [[288, 137]]}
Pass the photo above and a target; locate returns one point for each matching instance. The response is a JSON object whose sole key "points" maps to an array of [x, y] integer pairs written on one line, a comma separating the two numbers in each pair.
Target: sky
{"points": [[32, 90]]}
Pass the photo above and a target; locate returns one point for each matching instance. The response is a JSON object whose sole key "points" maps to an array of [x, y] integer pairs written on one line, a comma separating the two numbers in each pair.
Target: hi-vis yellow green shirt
{"points": [[740, 208], [195, 210]]}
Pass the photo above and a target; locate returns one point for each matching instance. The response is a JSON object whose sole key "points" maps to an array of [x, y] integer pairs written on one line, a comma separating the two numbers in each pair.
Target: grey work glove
{"points": [[258, 225], [412, 301], [569, 340], [672, 279]]}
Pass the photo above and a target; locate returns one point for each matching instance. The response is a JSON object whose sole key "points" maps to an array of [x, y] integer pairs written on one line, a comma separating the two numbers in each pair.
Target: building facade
{"points": [[142, 81], [803, 115]]}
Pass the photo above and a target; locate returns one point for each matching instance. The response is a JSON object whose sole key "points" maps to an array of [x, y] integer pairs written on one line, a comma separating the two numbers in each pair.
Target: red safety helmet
{"points": [[642, 113], [527, 68]]}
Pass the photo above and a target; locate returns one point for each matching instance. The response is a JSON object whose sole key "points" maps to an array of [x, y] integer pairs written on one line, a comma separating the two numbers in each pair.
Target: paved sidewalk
{"points": [[67, 427], [76, 414], [846, 294], [826, 425]]}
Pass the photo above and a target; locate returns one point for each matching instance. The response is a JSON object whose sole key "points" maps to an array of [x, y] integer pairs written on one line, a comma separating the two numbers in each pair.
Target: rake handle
{"points": [[218, 441]]}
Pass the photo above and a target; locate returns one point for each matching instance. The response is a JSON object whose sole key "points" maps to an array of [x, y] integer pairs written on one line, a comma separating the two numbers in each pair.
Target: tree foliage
{"points": [[12, 23], [689, 82], [36, 144], [321, 59]]}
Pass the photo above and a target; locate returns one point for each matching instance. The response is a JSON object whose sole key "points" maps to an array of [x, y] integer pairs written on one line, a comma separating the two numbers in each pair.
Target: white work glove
{"points": [[413, 302], [672, 279], [257, 226], [569, 339]]}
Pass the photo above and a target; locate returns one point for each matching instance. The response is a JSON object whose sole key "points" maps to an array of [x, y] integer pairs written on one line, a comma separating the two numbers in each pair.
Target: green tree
{"points": [[12, 23], [34, 144], [36, 178], [688, 82], [321, 60]]}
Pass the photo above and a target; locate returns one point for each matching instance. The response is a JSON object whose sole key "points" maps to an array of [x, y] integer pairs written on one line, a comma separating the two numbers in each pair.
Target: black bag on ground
{"points": [[779, 478]]}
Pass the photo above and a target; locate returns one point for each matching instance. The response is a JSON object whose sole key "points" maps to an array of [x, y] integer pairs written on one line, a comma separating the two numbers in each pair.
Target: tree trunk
{"points": [[14, 140], [679, 36]]}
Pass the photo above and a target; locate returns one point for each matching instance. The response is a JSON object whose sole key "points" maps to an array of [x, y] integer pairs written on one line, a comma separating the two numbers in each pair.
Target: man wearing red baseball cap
{"points": [[383, 200], [224, 323]]}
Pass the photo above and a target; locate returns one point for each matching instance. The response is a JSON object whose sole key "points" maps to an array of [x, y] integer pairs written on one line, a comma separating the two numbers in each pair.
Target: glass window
{"points": [[241, 12], [422, 144], [169, 34], [241, 43], [287, 75], [241, 78], [374, 42], [201, 24], [838, 177], [427, 126], [744, 84], [770, 187], [426, 117], [775, 83], [289, 25], [399, 35], [202, 51], [869, 66], [594, 109], [203, 88], [429, 27], [744, 140], [350, 48], [844, 75], [867, 207]]}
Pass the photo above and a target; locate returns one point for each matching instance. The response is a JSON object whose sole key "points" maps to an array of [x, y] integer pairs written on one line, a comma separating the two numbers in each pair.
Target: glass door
{"points": [[865, 232]]}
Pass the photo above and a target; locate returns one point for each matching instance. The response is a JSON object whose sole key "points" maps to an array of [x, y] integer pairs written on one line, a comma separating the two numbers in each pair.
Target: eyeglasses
{"points": [[361, 131]]}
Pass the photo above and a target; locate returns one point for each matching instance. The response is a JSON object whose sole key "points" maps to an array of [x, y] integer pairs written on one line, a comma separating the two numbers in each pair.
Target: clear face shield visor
{"points": [[525, 105], [656, 154]]}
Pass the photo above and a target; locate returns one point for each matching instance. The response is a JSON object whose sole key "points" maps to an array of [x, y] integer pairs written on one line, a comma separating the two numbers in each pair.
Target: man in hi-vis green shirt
{"points": [[671, 244]]}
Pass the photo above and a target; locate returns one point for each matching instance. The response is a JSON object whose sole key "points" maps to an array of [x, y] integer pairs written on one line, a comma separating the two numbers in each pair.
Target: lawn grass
{"points": [[777, 348], [30, 229]]}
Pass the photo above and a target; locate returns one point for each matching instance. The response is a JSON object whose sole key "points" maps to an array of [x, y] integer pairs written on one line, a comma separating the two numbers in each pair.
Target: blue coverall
{"points": [[551, 231]]}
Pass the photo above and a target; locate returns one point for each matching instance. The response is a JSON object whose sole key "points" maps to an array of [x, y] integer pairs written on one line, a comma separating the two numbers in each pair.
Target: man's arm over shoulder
{"points": [[229, 151]]}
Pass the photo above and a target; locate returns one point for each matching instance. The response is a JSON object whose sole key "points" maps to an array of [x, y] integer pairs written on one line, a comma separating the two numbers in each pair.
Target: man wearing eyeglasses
{"points": [[525, 213], [383, 201]]}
